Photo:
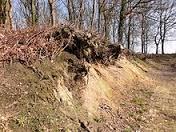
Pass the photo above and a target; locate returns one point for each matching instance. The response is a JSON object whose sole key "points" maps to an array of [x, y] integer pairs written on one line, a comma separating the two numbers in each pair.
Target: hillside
{"points": [[66, 90]]}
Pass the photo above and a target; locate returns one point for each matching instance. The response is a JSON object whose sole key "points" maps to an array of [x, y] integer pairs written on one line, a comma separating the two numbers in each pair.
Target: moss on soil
{"points": [[37, 108]]}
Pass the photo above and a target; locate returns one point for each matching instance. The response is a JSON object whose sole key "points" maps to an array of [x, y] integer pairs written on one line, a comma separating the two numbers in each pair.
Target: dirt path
{"points": [[162, 112]]}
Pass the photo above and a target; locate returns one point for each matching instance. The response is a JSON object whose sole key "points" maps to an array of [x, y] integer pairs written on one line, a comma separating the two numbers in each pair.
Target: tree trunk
{"points": [[8, 22], [99, 14], [157, 48], [146, 39], [121, 21], [71, 11], [114, 30], [162, 48], [107, 20], [81, 13], [93, 15], [143, 34], [6, 14], [33, 12], [52, 12], [129, 32], [2, 13], [157, 42], [163, 38]]}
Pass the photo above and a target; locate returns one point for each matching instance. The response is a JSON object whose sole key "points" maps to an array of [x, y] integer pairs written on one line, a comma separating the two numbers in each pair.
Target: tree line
{"points": [[128, 22]]}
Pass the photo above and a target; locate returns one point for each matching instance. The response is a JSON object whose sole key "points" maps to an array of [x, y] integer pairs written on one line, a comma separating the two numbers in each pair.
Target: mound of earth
{"points": [[65, 94], [64, 79], [30, 45]]}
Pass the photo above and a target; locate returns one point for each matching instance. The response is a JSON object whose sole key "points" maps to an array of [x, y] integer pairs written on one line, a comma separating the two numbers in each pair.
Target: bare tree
{"points": [[81, 13], [30, 11], [71, 10], [165, 21], [93, 13], [6, 13], [157, 41], [121, 21], [127, 22], [52, 9]]}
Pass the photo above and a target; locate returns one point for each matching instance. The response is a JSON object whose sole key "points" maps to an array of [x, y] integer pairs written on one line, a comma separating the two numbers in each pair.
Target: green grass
{"points": [[138, 101]]}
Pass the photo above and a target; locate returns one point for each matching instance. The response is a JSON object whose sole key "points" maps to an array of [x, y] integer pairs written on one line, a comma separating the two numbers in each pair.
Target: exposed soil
{"points": [[64, 95], [151, 106]]}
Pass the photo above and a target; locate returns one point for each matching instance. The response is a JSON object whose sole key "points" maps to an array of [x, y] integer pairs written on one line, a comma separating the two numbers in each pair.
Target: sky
{"points": [[170, 47]]}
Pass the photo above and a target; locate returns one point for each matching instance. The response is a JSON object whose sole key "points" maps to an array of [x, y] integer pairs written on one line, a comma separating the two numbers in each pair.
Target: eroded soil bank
{"points": [[65, 95]]}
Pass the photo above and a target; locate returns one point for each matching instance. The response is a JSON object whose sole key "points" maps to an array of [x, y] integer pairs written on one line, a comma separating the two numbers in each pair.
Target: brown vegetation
{"points": [[27, 46]]}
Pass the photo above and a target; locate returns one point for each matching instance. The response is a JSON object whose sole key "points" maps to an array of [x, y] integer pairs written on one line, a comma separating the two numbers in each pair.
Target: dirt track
{"points": [[162, 112]]}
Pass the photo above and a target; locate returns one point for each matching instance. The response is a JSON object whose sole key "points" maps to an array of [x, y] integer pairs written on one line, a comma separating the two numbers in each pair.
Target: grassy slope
{"points": [[32, 103]]}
